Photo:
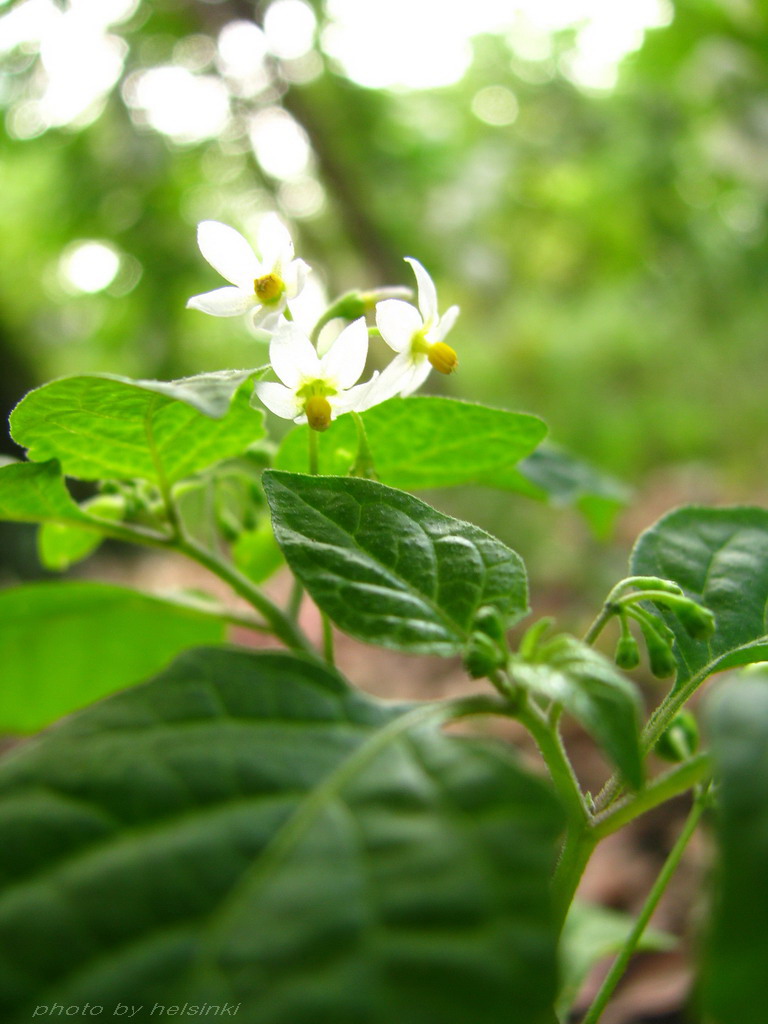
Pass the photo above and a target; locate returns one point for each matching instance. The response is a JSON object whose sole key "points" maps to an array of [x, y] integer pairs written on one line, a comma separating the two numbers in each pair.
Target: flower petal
{"points": [[388, 383], [223, 302], [293, 355], [294, 276], [345, 359], [357, 398], [278, 399], [427, 291], [274, 242], [413, 381], [267, 318], [398, 321], [229, 253], [445, 323]]}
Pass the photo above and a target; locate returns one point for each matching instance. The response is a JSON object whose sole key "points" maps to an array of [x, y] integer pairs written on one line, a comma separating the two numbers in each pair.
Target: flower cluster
{"points": [[316, 389]]}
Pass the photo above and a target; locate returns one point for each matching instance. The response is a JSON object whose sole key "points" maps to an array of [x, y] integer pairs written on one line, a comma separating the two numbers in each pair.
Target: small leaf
{"points": [[733, 969], [719, 556], [388, 568], [588, 686], [33, 492], [590, 934], [424, 441], [562, 479], [67, 644], [60, 545], [245, 829], [106, 426]]}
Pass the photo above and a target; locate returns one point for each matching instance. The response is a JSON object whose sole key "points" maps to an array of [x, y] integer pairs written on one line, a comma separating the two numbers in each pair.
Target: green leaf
{"points": [[107, 426], [424, 441], [60, 545], [388, 568], [590, 688], [256, 552], [590, 934], [67, 644], [247, 830], [719, 556], [561, 479], [33, 492], [733, 970]]}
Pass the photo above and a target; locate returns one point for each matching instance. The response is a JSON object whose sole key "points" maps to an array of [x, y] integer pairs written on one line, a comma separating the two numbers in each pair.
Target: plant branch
{"points": [[670, 866]]}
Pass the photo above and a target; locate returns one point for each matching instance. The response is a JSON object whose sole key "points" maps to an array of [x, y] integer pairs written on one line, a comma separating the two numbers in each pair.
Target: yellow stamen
{"points": [[442, 357], [318, 410], [268, 288]]}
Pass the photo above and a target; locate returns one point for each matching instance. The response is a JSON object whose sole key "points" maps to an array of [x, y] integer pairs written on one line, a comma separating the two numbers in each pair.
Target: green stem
{"points": [[281, 625], [659, 721], [577, 848], [555, 757], [579, 842], [674, 782], [363, 465], [313, 453], [670, 866], [594, 631], [294, 601], [327, 639], [326, 623]]}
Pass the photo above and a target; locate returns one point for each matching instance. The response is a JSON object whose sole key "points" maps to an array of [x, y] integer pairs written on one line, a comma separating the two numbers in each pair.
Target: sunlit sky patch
{"points": [[420, 44], [398, 44]]}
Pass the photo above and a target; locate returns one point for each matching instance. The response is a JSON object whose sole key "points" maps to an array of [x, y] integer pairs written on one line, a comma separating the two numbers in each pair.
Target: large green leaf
{"points": [[592, 690], [35, 492], [67, 644], [733, 972], [247, 830], [719, 556], [425, 441], [108, 426], [388, 568]]}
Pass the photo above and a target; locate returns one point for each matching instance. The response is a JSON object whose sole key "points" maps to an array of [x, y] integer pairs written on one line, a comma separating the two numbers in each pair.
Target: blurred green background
{"points": [[587, 179]]}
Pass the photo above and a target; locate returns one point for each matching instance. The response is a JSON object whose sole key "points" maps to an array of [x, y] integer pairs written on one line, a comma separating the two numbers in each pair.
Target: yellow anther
{"points": [[268, 288], [442, 357], [318, 410]]}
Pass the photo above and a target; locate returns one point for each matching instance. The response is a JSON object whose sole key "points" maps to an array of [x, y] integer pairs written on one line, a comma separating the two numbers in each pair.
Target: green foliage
{"points": [[33, 492], [66, 645], [590, 934], [733, 972], [107, 426], [247, 829], [386, 567], [60, 545], [423, 441], [606, 703], [720, 558]]}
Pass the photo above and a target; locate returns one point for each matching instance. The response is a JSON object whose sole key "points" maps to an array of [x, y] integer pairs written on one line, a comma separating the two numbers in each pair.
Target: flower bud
{"points": [[490, 621], [698, 622], [680, 740], [627, 654], [482, 656], [660, 656]]}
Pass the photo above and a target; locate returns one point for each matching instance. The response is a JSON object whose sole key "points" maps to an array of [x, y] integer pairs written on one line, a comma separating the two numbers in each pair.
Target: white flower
{"points": [[316, 389], [417, 337], [264, 285]]}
